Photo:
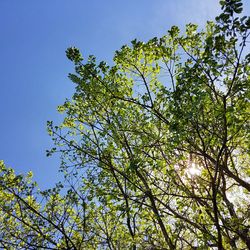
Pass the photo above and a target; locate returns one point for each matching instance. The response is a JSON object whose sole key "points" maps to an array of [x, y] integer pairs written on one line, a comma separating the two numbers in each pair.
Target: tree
{"points": [[155, 149]]}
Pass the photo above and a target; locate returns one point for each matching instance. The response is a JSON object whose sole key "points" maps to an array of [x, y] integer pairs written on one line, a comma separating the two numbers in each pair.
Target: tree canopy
{"points": [[154, 149]]}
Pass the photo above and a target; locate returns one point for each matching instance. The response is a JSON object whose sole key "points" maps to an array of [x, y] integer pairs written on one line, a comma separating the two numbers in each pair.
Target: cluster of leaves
{"points": [[155, 149], [31, 219]]}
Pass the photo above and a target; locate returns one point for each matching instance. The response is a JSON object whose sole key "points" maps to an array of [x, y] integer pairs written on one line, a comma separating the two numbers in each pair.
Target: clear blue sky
{"points": [[33, 72]]}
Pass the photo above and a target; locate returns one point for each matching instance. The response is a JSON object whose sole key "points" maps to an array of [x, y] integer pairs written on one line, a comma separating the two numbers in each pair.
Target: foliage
{"points": [[155, 149]]}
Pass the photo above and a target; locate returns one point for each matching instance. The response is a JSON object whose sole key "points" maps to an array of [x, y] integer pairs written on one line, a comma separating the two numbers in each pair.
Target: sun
{"points": [[193, 170]]}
